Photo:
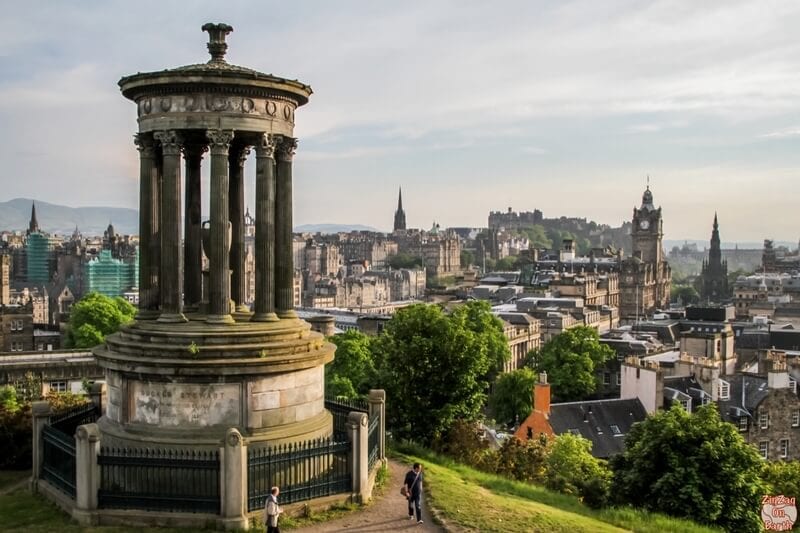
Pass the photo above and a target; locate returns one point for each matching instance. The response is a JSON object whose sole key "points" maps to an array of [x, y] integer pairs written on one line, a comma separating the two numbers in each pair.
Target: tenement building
{"points": [[646, 277]]}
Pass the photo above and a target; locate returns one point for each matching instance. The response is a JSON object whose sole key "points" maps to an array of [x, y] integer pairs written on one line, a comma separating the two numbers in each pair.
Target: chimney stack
{"points": [[541, 395]]}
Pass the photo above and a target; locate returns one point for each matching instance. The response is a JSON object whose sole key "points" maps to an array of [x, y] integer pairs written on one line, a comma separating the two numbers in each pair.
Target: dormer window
{"points": [[724, 390], [742, 423]]}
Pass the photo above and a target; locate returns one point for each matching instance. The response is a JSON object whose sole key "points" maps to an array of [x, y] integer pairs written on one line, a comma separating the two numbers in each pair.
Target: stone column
{"points": [[99, 395], [233, 480], [171, 250], [219, 306], [148, 227], [193, 251], [358, 433], [284, 266], [87, 473], [236, 160], [264, 306], [41, 412], [377, 406]]}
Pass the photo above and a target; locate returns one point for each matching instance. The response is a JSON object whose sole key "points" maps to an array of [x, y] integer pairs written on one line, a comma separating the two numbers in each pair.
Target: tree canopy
{"points": [[570, 359], [404, 260], [94, 316], [691, 465], [352, 371], [434, 368], [512, 395]]}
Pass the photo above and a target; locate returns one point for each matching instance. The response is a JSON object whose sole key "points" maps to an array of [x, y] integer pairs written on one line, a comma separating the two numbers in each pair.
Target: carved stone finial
{"points": [[216, 40]]}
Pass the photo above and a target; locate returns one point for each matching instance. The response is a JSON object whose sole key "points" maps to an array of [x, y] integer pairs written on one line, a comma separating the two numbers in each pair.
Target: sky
{"points": [[563, 106]]}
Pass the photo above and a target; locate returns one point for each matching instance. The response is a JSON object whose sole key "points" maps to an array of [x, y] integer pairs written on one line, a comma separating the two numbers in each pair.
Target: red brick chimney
{"points": [[541, 395]]}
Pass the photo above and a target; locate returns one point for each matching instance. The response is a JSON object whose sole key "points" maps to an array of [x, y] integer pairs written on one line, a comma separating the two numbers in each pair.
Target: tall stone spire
{"points": [[400, 215], [33, 225], [713, 281]]}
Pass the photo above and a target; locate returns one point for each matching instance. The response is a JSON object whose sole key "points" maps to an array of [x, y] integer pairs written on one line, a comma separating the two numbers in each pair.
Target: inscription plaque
{"points": [[185, 404]]}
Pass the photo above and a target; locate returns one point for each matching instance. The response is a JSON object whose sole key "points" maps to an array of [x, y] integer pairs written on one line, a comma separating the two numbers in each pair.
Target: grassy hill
{"points": [[477, 501]]}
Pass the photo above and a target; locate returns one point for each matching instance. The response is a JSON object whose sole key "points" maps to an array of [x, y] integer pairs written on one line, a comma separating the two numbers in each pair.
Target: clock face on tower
{"points": [[644, 224]]}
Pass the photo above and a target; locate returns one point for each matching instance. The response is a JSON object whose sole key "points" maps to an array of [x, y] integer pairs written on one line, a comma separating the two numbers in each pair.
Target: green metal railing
{"points": [[58, 459], [159, 480], [340, 408], [374, 440], [304, 471]]}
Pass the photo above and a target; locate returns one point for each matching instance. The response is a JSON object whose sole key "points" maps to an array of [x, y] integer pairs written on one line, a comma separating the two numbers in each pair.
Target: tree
{"points": [[538, 237], [352, 371], [511, 397], [489, 328], [691, 465], [96, 316], [404, 260], [570, 359], [782, 477], [571, 467], [507, 263], [467, 258], [686, 293], [433, 368]]}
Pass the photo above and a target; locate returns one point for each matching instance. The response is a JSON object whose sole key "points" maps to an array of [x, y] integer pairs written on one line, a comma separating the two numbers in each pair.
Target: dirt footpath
{"points": [[387, 512]]}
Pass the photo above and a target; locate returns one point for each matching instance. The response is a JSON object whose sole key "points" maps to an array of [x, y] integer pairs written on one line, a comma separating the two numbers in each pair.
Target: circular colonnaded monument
{"points": [[197, 360]]}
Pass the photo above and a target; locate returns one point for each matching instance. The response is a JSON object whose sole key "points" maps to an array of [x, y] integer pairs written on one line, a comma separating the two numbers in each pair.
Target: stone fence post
{"points": [[87, 473], [377, 406], [98, 395], [233, 481], [41, 412], [358, 433]]}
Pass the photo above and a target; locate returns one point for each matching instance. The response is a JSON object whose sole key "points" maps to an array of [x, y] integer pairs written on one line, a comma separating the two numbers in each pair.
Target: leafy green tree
{"points": [[404, 260], [352, 371], [691, 465], [489, 328], [8, 399], [570, 359], [433, 368], [467, 258], [782, 477], [507, 263], [511, 397], [95, 316], [571, 466], [686, 293], [523, 460], [538, 237]]}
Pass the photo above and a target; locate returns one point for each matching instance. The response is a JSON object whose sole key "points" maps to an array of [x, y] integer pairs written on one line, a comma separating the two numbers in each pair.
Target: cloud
{"points": [[781, 134]]}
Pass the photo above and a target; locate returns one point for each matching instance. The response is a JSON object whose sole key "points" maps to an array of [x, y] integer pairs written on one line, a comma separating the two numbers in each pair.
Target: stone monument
{"points": [[197, 361]]}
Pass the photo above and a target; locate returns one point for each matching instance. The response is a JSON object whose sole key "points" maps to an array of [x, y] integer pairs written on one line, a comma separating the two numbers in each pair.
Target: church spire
{"points": [[400, 215], [33, 225]]}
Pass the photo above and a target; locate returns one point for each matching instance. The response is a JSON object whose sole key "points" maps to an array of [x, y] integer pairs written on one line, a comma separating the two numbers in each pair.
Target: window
{"points": [[687, 404], [793, 385], [58, 386], [16, 346], [784, 448], [796, 418], [742, 423], [615, 430], [763, 449], [606, 378], [619, 378], [763, 420], [724, 390]]}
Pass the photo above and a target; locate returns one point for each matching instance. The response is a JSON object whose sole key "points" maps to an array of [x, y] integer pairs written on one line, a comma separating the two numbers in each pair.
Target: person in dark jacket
{"points": [[413, 483]]}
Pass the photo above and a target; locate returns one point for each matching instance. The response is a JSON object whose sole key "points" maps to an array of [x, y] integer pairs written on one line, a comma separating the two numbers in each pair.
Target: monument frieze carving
{"points": [[205, 103]]}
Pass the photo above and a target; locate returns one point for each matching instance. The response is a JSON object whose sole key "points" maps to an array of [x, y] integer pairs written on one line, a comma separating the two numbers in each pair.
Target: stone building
{"points": [[16, 328], [713, 280], [513, 220], [646, 277], [400, 215], [522, 333], [374, 248], [5, 278], [322, 258]]}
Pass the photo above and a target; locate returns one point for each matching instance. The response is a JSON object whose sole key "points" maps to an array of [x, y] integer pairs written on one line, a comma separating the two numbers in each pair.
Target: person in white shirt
{"points": [[271, 511]]}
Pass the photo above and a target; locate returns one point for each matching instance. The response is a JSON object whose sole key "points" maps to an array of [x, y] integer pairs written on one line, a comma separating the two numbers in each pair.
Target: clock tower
{"points": [[645, 277], [648, 231]]}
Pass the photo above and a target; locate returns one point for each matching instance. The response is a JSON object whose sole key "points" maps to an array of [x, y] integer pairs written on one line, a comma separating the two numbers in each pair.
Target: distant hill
{"points": [[332, 228], [15, 215]]}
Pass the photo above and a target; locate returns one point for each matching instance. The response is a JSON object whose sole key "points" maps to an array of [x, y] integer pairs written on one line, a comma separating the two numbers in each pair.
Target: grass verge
{"points": [[9, 478], [478, 501]]}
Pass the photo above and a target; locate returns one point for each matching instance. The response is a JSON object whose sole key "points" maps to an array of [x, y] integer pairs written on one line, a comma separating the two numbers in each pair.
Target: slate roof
{"points": [[593, 420], [785, 339], [746, 392], [687, 387]]}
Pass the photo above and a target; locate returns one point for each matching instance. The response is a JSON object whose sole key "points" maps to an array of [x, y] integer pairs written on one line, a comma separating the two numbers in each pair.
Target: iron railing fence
{"points": [[58, 459], [374, 440], [159, 480], [68, 421], [303, 471], [340, 408]]}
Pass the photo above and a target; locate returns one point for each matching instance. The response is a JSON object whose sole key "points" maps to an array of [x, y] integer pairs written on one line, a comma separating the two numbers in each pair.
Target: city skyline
{"points": [[563, 107]]}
